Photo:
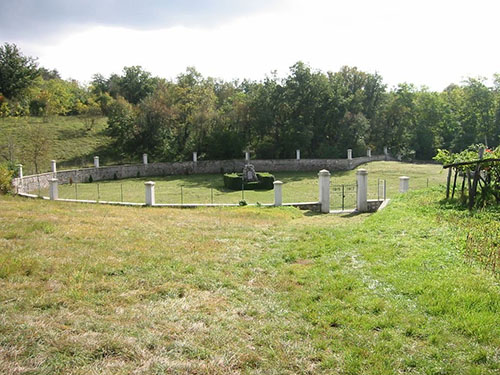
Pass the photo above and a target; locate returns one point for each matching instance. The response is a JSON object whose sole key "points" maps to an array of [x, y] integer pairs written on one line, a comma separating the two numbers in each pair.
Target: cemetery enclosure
{"points": [[100, 172], [297, 187]]}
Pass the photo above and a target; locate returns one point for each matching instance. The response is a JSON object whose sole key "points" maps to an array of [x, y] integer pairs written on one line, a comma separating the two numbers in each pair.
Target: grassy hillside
{"points": [[69, 142], [120, 290]]}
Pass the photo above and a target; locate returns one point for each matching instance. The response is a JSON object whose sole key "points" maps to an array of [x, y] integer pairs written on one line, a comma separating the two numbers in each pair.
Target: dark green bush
{"points": [[234, 181]]}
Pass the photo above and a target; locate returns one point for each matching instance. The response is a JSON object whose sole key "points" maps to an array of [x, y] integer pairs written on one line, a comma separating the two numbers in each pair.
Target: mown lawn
{"points": [[298, 186], [119, 290]]}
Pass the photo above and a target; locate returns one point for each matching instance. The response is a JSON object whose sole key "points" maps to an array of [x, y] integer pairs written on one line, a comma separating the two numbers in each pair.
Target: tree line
{"points": [[322, 114]]}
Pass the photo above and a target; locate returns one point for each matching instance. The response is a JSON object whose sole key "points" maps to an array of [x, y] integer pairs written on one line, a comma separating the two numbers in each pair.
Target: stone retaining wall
{"points": [[41, 181]]}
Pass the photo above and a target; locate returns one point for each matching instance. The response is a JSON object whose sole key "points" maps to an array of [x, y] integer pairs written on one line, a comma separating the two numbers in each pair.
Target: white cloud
{"points": [[429, 43]]}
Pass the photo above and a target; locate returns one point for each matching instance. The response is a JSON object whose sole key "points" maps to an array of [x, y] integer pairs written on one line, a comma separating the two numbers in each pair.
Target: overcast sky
{"points": [[425, 42]]}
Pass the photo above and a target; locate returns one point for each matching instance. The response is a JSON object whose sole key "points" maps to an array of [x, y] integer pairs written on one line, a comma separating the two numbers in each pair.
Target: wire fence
{"points": [[342, 196]]}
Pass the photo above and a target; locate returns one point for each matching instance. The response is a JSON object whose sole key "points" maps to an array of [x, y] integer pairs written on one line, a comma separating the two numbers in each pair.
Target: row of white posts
{"points": [[324, 190], [195, 159]]}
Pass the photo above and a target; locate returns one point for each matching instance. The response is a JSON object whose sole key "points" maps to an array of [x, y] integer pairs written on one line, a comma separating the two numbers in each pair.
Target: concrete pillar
{"points": [[20, 166], [145, 159], [297, 153], [278, 193], [480, 153], [349, 154], [324, 190], [362, 196], [53, 164], [386, 152], [150, 193], [53, 189], [369, 152], [195, 156], [247, 156], [404, 184], [96, 161]]}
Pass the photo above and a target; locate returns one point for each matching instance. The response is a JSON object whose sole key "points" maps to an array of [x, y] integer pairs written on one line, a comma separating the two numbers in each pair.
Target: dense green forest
{"points": [[322, 114]]}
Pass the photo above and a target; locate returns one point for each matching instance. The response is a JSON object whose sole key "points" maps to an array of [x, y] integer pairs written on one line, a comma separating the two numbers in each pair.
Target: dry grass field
{"points": [[91, 289]]}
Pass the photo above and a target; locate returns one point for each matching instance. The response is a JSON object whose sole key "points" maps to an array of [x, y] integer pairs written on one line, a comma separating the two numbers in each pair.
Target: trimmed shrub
{"points": [[234, 181]]}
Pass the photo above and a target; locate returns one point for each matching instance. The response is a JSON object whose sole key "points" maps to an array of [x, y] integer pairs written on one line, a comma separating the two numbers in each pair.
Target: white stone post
{"points": [[247, 157], [150, 193], [278, 193], [145, 159], [53, 164], [324, 190], [404, 184], [362, 196], [96, 161], [53, 189], [349, 154], [297, 153], [195, 156], [20, 166], [386, 152], [369, 152]]}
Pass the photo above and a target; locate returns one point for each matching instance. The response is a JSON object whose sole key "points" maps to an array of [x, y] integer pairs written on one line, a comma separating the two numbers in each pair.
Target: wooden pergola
{"points": [[472, 173]]}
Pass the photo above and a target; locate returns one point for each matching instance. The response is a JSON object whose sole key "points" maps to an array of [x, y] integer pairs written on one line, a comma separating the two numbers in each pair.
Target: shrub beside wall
{"points": [[234, 181]]}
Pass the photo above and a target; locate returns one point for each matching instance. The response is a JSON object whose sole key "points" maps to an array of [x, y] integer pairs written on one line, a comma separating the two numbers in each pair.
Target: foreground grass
{"points": [[117, 290], [298, 186]]}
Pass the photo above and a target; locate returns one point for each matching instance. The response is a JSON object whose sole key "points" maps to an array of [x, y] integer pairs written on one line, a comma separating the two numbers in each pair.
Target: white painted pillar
{"points": [[195, 156], [297, 153], [369, 152], [53, 164], [404, 184], [96, 161], [53, 189], [247, 156], [324, 190], [150, 193], [145, 159], [349, 154], [20, 166], [386, 152], [362, 196], [278, 193]]}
